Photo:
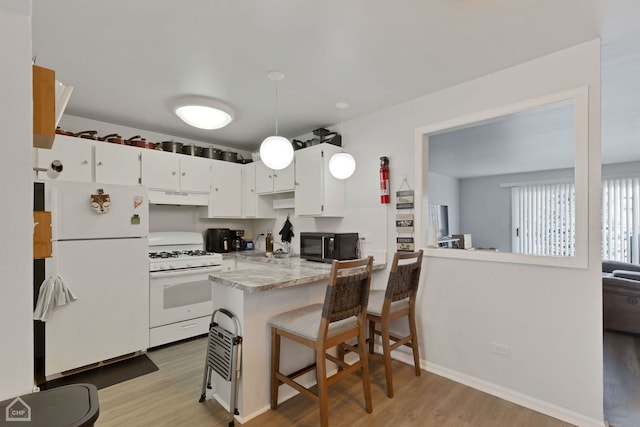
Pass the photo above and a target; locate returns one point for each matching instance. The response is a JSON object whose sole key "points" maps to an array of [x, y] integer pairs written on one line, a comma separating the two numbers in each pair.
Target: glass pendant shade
{"points": [[342, 165], [276, 152]]}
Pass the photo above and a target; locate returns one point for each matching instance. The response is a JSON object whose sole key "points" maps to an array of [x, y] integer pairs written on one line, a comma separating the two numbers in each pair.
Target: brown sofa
{"points": [[621, 296]]}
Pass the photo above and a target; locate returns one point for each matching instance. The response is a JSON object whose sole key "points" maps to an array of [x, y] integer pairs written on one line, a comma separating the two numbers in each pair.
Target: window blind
{"points": [[621, 219], [544, 219]]}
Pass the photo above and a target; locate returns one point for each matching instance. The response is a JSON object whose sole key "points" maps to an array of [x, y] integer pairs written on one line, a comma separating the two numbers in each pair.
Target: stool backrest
{"points": [[404, 276], [348, 289]]}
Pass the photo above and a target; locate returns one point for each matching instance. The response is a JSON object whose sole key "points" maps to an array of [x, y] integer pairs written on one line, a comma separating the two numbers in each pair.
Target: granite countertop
{"points": [[259, 273]]}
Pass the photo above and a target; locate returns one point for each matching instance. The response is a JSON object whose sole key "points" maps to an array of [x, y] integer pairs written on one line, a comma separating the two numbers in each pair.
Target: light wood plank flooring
{"points": [[622, 379], [169, 397]]}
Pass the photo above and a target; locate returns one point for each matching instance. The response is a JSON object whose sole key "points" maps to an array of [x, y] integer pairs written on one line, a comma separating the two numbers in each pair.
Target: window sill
{"points": [[506, 257]]}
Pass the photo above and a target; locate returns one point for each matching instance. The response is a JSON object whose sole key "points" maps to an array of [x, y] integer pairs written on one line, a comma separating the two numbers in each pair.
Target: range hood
{"points": [[159, 197]]}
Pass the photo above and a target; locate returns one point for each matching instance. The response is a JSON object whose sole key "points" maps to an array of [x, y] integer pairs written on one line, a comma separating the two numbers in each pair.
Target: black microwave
{"points": [[325, 247]]}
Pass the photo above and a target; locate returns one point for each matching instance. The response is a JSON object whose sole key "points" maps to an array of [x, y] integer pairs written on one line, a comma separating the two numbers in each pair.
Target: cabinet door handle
{"points": [[184, 173], [252, 190], [275, 175], [99, 163], [173, 173], [270, 176], [216, 189], [85, 162]]}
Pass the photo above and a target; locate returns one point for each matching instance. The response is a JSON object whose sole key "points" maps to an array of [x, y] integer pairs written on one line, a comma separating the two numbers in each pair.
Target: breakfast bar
{"points": [[256, 290]]}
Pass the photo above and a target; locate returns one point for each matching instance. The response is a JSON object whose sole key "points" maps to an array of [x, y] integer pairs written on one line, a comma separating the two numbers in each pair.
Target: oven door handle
{"points": [[184, 272]]}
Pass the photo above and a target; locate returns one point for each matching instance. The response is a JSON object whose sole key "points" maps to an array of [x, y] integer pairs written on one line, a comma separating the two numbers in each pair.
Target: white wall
{"points": [[16, 227], [550, 317]]}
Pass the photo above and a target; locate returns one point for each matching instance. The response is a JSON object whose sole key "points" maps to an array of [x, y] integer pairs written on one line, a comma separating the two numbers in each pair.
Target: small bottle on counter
{"points": [[269, 242]]}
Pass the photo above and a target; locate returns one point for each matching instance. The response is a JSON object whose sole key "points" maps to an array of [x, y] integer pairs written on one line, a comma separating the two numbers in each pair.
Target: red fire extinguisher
{"points": [[384, 180]]}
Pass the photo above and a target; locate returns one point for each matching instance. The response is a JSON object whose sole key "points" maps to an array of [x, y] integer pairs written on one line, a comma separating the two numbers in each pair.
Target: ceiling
{"points": [[128, 60]]}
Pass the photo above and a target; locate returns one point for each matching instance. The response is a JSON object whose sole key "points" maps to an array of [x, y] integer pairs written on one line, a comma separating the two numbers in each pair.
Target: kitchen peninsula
{"points": [[257, 289]]}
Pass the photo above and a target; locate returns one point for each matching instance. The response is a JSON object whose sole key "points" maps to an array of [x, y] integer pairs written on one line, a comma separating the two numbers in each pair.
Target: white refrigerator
{"points": [[100, 250]]}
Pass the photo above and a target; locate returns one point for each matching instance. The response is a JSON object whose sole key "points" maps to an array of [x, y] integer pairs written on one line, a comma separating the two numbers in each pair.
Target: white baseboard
{"points": [[509, 395]]}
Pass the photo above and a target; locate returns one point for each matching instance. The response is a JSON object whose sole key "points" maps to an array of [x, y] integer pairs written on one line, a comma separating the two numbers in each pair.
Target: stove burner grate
{"points": [[155, 255]]}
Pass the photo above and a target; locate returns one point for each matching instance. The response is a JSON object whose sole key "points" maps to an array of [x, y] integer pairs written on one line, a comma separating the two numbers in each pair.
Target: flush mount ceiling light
{"points": [[203, 112], [276, 152], [342, 165]]}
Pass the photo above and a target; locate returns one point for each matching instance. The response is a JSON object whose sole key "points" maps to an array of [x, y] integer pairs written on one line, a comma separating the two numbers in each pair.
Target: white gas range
{"points": [[180, 292]]}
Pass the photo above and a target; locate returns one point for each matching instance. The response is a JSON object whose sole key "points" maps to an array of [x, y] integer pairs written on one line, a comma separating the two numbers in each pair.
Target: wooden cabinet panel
{"points": [[41, 234], [44, 107]]}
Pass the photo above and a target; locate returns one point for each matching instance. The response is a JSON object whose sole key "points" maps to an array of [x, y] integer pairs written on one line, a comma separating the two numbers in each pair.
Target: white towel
{"points": [[53, 292]]}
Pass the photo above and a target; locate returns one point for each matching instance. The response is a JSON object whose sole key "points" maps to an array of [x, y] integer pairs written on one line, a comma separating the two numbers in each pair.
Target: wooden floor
{"points": [[622, 379], [169, 397]]}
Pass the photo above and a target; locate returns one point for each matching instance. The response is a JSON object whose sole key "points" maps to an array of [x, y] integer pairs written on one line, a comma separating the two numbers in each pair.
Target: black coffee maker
{"points": [[237, 243], [218, 240]]}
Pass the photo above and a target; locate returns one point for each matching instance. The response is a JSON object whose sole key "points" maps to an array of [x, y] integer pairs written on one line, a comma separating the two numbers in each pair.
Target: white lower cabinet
{"points": [[225, 198], [317, 192], [75, 155], [116, 164], [229, 264]]}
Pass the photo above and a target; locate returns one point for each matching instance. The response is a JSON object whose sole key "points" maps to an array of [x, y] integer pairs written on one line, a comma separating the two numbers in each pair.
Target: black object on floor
{"points": [[107, 375], [71, 405]]}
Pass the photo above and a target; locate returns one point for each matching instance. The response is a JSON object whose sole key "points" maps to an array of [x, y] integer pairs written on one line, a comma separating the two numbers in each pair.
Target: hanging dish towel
{"points": [[53, 292], [287, 231]]}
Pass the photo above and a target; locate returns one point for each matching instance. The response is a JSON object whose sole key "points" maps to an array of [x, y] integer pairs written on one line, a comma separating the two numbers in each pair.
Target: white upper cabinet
{"points": [[116, 164], [271, 181], [249, 196], [225, 199], [254, 205], [175, 172], [75, 155], [195, 173], [160, 170], [317, 193]]}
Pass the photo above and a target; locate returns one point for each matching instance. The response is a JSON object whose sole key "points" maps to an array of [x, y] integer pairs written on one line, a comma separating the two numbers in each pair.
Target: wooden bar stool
{"points": [[398, 300], [321, 327]]}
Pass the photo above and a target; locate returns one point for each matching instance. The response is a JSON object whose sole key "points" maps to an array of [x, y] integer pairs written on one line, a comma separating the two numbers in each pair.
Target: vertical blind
{"points": [[543, 219], [620, 219]]}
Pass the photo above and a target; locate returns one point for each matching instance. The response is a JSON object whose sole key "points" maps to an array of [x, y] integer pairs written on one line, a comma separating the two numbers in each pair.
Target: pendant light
{"points": [[276, 152], [342, 165]]}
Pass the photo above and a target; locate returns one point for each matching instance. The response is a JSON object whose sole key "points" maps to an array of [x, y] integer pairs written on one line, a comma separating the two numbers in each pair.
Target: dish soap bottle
{"points": [[269, 242]]}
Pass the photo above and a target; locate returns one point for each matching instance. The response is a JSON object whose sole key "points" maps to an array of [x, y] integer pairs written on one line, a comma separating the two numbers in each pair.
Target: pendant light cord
{"points": [[276, 107]]}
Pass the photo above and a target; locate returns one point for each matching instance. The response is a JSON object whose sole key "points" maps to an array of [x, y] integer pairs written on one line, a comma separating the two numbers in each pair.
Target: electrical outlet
{"points": [[501, 349]]}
